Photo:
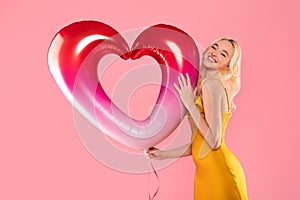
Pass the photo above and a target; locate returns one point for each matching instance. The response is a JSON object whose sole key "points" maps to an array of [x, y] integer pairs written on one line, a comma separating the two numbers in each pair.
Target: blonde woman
{"points": [[219, 174]]}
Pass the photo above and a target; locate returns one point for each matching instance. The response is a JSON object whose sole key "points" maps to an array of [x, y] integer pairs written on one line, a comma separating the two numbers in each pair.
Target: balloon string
{"points": [[153, 169]]}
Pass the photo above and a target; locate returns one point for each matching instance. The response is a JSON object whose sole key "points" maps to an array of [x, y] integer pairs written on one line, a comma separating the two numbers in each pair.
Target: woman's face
{"points": [[218, 55]]}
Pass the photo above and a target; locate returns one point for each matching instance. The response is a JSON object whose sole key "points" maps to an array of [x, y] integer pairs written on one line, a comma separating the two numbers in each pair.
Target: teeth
{"points": [[211, 59]]}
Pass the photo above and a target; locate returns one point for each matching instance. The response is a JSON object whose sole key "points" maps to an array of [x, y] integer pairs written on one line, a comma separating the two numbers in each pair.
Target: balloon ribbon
{"points": [[154, 171]]}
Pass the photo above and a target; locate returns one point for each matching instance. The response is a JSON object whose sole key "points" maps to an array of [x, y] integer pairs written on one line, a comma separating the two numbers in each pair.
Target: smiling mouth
{"points": [[212, 59]]}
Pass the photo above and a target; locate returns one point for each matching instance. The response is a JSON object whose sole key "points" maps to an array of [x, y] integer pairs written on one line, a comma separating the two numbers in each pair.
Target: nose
{"points": [[214, 53]]}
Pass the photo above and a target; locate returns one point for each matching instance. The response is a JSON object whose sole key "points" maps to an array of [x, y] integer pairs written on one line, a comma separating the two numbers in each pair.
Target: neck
{"points": [[211, 73]]}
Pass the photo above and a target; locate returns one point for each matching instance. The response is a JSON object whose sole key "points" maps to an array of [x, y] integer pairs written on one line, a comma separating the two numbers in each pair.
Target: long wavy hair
{"points": [[231, 75]]}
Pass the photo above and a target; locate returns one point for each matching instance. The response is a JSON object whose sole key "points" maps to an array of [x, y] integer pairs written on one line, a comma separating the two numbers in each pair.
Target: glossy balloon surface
{"points": [[73, 59]]}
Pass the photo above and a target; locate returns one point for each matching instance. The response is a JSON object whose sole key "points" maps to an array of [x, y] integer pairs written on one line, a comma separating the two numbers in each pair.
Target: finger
{"points": [[180, 82], [151, 156], [146, 154], [188, 79], [151, 151], [176, 87], [195, 91], [182, 79]]}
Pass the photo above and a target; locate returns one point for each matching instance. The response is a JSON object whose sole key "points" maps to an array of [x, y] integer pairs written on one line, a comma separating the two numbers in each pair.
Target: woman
{"points": [[219, 175]]}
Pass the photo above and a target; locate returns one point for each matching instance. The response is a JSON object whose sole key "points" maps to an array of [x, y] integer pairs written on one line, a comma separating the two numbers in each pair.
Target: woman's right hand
{"points": [[155, 153]]}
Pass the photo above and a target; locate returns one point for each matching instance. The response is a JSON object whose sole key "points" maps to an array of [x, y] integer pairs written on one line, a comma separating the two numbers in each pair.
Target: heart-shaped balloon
{"points": [[73, 58]]}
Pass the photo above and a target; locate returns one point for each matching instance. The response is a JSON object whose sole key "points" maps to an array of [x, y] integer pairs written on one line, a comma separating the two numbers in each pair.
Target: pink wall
{"points": [[41, 154]]}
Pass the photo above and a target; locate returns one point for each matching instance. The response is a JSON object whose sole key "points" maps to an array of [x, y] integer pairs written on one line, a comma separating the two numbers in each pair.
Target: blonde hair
{"points": [[231, 75]]}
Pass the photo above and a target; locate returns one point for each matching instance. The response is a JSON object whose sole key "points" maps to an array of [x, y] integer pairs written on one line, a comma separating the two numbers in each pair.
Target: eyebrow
{"points": [[222, 50], [226, 52]]}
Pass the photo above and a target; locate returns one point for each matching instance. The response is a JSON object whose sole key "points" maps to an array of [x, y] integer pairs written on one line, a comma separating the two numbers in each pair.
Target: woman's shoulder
{"points": [[212, 85]]}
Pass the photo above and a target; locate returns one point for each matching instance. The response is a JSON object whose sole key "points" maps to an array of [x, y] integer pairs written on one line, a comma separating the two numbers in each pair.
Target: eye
{"points": [[223, 55], [214, 47]]}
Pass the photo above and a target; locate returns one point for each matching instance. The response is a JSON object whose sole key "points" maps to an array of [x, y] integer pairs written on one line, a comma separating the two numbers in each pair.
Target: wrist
{"points": [[190, 107], [165, 154]]}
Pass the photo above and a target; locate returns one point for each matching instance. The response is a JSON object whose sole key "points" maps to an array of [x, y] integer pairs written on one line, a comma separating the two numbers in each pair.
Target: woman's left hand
{"points": [[185, 90]]}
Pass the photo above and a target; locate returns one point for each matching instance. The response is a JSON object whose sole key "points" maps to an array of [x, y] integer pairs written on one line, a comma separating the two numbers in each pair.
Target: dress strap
{"points": [[227, 97]]}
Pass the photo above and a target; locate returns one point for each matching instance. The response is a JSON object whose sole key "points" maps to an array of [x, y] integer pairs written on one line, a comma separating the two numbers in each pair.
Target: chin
{"points": [[209, 65]]}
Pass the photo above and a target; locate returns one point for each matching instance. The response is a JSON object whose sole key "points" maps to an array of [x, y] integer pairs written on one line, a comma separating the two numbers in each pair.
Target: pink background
{"points": [[41, 154]]}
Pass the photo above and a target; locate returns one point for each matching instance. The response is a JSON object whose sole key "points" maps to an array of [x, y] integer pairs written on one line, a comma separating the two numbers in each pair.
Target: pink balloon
{"points": [[73, 58]]}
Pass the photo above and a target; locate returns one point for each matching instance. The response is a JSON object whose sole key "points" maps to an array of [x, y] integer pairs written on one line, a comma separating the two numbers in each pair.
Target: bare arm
{"points": [[210, 127], [185, 150]]}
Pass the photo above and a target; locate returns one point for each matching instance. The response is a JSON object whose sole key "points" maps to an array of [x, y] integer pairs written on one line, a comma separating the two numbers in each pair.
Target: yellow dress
{"points": [[219, 175]]}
